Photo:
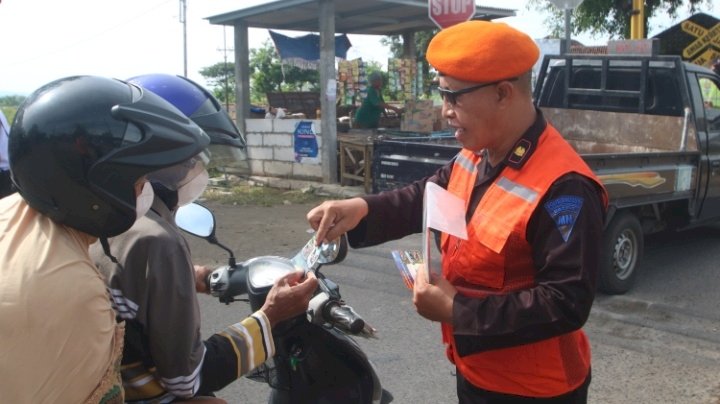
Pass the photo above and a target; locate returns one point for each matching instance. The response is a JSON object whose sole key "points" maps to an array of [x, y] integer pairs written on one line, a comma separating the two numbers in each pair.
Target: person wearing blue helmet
{"points": [[154, 283], [227, 144]]}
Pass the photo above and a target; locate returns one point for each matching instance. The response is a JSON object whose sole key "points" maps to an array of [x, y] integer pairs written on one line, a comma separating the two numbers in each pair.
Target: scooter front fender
{"points": [[318, 364]]}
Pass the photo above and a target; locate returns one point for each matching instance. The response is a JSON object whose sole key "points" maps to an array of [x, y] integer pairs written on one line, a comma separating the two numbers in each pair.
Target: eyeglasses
{"points": [[451, 96]]}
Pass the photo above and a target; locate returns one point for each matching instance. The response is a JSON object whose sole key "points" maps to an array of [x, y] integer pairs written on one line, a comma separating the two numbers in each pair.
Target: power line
{"points": [[183, 21], [225, 50], [88, 36]]}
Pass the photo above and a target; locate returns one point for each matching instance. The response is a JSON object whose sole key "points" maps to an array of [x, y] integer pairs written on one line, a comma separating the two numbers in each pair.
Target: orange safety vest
{"points": [[497, 259]]}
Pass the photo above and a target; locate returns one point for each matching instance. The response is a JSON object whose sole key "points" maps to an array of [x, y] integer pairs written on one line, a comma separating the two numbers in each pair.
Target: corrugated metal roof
{"points": [[370, 17]]}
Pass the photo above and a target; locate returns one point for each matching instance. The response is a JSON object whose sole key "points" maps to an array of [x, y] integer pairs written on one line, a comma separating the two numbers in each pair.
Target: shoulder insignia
{"points": [[564, 211]]}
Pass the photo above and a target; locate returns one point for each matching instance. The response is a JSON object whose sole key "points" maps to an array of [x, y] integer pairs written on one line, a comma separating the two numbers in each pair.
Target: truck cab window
{"points": [[710, 92]]}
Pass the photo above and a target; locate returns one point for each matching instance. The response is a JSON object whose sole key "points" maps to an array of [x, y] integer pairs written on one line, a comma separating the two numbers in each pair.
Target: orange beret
{"points": [[482, 51]]}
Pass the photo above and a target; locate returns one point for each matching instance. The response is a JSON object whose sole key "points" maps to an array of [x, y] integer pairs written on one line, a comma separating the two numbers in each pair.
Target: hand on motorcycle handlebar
{"points": [[333, 218], [201, 276], [289, 296], [434, 301]]}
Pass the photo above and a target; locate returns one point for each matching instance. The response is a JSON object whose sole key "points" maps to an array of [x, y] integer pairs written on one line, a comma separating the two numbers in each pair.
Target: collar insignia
{"points": [[520, 152]]}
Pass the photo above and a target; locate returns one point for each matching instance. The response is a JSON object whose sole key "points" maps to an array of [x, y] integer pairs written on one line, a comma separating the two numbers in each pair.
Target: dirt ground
{"points": [[254, 230]]}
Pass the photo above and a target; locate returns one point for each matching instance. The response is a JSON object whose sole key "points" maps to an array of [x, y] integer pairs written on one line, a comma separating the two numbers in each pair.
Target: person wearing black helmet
{"points": [[80, 148], [154, 287]]}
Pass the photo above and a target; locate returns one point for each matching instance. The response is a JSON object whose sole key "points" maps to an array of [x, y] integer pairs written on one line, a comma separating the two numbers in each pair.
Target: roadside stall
{"points": [[309, 148]]}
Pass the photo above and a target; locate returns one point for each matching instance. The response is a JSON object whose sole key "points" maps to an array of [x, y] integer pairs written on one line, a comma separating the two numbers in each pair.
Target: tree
{"points": [[268, 74], [9, 105], [221, 78], [609, 17]]}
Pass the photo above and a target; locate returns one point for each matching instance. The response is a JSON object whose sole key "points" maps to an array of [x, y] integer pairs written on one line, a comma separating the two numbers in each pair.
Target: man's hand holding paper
{"points": [[434, 301]]}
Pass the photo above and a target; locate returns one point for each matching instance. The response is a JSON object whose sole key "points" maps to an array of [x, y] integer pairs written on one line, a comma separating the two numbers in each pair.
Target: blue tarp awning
{"points": [[306, 48]]}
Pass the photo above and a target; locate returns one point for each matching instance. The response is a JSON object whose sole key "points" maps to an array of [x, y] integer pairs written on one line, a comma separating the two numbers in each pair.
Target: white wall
{"points": [[271, 150]]}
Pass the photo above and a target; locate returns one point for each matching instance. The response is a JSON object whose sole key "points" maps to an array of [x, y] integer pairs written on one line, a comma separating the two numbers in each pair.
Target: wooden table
{"points": [[356, 149]]}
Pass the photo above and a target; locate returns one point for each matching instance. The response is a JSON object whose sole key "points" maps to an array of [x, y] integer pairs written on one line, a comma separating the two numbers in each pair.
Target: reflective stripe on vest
{"points": [[497, 259]]}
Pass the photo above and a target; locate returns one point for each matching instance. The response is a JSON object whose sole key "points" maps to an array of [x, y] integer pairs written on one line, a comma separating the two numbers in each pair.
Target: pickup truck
{"points": [[641, 124]]}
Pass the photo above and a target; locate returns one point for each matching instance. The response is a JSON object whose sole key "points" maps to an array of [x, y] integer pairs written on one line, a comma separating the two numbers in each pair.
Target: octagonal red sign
{"points": [[445, 13]]}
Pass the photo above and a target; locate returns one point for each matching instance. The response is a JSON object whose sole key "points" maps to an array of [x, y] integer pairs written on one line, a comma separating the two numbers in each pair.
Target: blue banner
{"points": [[307, 47], [305, 142]]}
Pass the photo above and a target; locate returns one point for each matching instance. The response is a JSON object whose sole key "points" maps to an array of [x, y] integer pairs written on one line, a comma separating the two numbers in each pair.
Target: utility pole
{"points": [[637, 20], [227, 73], [183, 21], [567, 6]]}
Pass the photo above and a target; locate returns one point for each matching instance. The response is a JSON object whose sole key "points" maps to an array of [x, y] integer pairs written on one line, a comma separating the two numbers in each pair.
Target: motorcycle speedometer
{"points": [[263, 271]]}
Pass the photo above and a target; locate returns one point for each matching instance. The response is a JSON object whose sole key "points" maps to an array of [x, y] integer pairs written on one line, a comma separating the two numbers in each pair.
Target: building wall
{"points": [[271, 150]]}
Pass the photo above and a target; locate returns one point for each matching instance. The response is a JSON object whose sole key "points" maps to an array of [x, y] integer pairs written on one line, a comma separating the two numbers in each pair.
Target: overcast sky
{"points": [[42, 40]]}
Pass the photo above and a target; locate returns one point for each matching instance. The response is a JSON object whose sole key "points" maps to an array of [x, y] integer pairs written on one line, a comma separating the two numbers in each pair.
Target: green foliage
{"points": [[422, 39], [270, 75], [11, 100], [221, 77], [9, 113], [9, 105], [609, 17]]}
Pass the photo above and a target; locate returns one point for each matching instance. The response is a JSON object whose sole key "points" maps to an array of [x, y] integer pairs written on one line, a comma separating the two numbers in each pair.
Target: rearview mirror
{"points": [[312, 257], [334, 251], [196, 220]]}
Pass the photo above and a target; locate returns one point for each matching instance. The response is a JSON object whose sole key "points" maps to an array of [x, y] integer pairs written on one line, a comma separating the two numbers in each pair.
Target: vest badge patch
{"points": [[564, 211], [519, 152]]}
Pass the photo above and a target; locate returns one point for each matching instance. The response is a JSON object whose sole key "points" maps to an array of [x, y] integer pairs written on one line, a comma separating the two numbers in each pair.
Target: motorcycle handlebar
{"points": [[345, 317], [227, 282]]}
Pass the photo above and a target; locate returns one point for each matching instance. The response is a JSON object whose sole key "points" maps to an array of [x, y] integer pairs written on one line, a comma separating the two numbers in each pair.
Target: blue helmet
{"points": [[196, 103], [227, 144]]}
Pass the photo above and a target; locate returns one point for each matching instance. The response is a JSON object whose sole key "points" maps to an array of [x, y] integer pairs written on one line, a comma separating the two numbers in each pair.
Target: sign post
{"points": [[568, 6], [446, 13]]}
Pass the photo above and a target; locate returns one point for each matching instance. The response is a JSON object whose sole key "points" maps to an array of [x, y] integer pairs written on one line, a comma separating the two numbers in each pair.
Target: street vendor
{"points": [[368, 115]]}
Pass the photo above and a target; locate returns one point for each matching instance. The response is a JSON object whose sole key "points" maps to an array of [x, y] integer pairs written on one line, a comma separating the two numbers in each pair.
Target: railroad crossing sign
{"points": [[701, 51], [445, 13]]}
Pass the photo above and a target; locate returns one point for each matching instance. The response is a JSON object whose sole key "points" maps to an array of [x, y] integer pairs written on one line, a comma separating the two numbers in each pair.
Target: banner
{"points": [[305, 142], [304, 51]]}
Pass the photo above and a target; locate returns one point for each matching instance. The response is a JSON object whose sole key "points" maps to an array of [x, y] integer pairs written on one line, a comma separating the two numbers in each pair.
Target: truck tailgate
{"points": [[399, 162], [655, 161]]}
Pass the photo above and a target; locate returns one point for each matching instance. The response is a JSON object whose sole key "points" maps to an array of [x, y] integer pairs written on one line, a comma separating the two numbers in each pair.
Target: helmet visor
{"points": [[232, 158], [176, 176]]}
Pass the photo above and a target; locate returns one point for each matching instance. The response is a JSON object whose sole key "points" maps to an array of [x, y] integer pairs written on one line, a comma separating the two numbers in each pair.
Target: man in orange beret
{"points": [[513, 297]]}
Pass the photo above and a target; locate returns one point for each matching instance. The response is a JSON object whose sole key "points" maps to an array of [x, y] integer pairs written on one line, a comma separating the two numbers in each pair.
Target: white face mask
{"points": [[144, 200], [193, 189]]}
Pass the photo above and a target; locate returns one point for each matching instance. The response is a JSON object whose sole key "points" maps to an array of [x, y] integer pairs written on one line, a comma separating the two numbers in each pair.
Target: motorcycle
{"points": [[316, 359]]}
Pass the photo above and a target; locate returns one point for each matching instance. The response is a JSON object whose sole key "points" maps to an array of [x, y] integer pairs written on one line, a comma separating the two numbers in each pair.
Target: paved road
{"points": [[659, 343]]}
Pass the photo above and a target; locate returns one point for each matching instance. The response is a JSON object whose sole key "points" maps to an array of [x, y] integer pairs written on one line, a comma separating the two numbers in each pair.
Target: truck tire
{"points": [[623, 249]]}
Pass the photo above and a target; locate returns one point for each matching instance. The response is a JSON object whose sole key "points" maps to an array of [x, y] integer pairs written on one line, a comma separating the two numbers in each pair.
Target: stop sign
{"points": [[445, 13]]}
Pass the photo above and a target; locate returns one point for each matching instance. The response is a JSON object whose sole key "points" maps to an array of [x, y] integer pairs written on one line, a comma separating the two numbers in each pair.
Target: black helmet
{"points": [[227, 144], [78, 145]]}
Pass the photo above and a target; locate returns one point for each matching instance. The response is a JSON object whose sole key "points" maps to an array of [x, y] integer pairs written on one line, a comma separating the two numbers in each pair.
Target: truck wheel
{"points": [[623, 243]]}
